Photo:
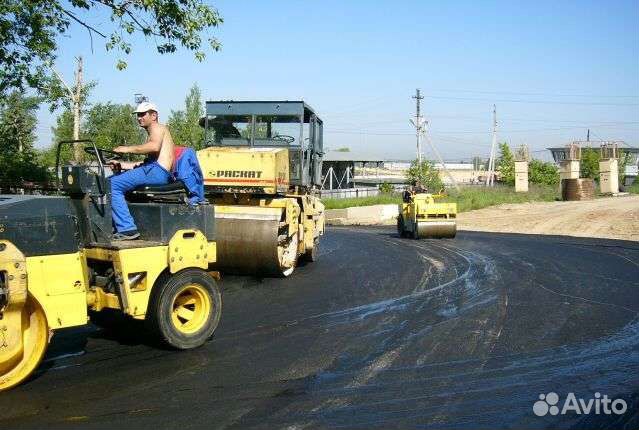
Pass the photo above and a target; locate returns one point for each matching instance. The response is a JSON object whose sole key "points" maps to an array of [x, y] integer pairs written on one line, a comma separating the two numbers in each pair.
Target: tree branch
{"points": [[84, 24], [62, 80], [142, 27]]}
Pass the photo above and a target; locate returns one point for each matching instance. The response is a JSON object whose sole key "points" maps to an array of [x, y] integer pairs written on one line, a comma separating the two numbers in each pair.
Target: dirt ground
{"points": [[611, 217]]}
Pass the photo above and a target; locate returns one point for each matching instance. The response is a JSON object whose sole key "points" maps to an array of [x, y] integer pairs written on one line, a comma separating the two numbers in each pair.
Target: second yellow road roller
{"points": [[421, 217], [262, 166]]}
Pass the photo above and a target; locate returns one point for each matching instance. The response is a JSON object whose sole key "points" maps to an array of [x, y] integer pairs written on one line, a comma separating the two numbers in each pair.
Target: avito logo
{"points": [[548, 403]]}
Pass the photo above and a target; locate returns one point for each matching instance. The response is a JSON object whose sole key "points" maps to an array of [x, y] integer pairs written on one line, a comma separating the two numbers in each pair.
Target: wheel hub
{"points": [[191, 308]]}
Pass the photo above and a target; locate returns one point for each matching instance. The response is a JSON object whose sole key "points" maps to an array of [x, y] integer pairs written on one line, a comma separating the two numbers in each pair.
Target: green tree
{"points": [[624, 157], [540, 172], [426, 174], [31, 30], [589, 164], [18, 161], [386, 188], [63, 130], [344, 149], [506, 164], [184, 124], [107, 124], [110, 125]]}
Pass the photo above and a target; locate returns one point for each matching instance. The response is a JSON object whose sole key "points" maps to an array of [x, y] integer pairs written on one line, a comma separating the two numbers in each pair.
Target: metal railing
{"points": [[346, 193]]}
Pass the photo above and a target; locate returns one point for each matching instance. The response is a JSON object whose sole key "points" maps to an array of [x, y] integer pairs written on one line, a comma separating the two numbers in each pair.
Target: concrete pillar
{"points": [[521, 176], [569, 169], [609, 175]]}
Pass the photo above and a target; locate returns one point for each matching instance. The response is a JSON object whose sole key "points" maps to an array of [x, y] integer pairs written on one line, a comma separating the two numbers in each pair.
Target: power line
{"points": [[532, 101], [538, 94]]}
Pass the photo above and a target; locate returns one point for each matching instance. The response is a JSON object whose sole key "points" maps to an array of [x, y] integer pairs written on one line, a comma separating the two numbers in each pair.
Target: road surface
{"points": [[381, 332]]}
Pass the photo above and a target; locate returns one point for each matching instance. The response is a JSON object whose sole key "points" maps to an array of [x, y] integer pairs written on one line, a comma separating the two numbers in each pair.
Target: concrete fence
{"points": [[362, 215]]}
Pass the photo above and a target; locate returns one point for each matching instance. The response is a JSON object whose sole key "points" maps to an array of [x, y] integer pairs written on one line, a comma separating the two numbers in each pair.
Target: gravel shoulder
{"points": [[610, 217]]}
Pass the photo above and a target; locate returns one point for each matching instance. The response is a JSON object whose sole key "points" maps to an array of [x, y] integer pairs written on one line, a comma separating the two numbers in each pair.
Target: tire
{"points": [[185, 308], [312, 254], [400, 226]]}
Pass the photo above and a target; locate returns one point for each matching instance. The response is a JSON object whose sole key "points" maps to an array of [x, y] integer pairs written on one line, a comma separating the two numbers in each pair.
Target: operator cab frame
{"points": [[292, 125]]}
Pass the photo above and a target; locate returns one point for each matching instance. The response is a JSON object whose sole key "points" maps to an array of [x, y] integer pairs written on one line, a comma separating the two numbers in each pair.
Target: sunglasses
{"points": [[141, 114]]}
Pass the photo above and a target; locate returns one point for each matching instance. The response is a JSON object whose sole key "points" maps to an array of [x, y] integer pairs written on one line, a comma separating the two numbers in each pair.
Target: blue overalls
{"points": [[149, 173]]}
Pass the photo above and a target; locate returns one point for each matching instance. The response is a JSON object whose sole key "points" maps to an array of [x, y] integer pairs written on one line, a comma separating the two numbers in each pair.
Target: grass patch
{"points": [[634, 188], [471, 198], [467, 198], [382, 199]]}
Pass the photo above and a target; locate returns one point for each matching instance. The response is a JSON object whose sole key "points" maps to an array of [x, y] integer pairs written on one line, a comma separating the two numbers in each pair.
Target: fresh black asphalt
{"points": [[381, 332]]}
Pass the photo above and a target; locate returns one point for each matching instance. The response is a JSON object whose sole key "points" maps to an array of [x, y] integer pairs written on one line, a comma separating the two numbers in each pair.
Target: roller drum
{"points": [[251, 243], [436, 229]]}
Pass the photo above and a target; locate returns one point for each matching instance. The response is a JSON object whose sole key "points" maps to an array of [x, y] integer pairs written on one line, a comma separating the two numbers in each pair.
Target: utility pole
{"points": [[76, 99], [76, 110], [419, 125], [588, 136], [490, 179]]}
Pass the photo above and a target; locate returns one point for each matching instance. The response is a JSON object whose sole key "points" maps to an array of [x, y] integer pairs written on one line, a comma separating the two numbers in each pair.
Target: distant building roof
{"points": [[355, 156]]}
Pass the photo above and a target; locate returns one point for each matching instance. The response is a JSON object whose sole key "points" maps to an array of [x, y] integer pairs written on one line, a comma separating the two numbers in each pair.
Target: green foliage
{"points": [[506, 164], [624, 157], [386, 188], [57, 95], [471, 198], [344, 149], [543, 173], [31, 30], [426, 174], [18, 159], [107, 124], [634, 188], [111, 124], [63, 130], [184, 124], [590, 163]]}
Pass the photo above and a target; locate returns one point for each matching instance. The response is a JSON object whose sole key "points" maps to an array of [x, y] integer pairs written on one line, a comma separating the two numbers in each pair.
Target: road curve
{"points": [[381, 332]]}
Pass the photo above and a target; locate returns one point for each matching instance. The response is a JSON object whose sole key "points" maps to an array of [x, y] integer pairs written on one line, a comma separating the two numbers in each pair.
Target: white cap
{"points": [[145, 107]]}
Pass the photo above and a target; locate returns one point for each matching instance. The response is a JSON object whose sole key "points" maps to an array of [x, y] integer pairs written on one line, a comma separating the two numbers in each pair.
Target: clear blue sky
{"points": [[552, 68]]}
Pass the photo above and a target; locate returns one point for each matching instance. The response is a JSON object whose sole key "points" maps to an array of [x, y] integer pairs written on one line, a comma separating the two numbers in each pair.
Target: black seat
{"points": [[175, 192]]}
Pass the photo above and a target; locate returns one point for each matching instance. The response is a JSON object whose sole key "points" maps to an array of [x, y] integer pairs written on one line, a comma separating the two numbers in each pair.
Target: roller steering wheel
{"points": [[284, 138], [104, 155]]}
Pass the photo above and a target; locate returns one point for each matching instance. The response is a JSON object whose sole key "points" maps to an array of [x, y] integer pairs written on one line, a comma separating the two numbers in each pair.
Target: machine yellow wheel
{"points": [[35, 338], [185, 308], [191, 308]]}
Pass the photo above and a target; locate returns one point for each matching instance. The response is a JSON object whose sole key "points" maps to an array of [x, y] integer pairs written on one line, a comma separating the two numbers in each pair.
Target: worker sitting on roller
{"points": [[155, 170], [416, 188]]}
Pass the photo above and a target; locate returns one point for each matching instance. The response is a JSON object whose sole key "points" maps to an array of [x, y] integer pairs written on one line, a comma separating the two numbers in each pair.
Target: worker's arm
{"points": [[118, 166], [153, 144]]}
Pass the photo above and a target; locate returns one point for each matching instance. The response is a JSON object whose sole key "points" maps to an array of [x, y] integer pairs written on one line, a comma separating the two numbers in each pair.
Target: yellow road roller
{"points": [[58, 261], [420, 217], [262, 165]]}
